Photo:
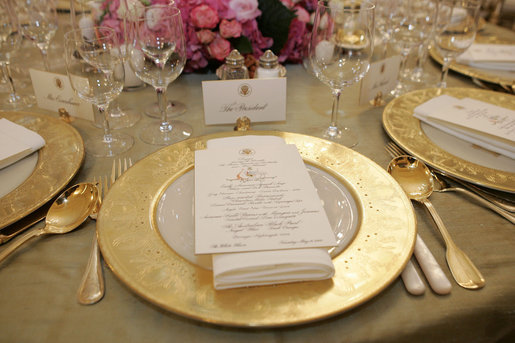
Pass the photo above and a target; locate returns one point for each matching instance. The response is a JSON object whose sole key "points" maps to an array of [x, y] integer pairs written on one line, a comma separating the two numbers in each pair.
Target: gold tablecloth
{"points": [[38, 283]]}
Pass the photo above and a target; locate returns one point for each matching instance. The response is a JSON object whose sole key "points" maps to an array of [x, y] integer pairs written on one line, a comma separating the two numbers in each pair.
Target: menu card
{"points": [[489, 56], [251, 197], [478, 122]]}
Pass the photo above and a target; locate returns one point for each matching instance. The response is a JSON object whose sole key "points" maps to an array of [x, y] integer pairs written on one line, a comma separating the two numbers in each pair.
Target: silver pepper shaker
{"points": [[234, 67]]}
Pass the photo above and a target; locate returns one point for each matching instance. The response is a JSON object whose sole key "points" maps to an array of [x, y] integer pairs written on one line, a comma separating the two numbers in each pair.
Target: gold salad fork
{"points": [[91, 288], [442, 186]]}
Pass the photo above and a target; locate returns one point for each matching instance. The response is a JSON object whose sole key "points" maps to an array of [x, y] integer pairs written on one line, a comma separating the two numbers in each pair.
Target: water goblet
{"points": [[412, 25], [455, 31], [340, 49], [96, 73], [10, 42], [85, 14], [38, 21], [158, 56]]}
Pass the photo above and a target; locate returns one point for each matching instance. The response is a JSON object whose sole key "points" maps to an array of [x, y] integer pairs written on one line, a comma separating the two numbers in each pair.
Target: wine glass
{"points": [[158, 56], [96, 73], [383, 22], [10, 41], [412, 25], [455, 31], [85, 14], [340, 50], [38, 21]]}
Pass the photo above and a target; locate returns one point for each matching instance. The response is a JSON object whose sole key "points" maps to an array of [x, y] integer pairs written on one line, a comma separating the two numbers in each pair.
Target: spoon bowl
{"points": [[418, 184], [67, 212]]}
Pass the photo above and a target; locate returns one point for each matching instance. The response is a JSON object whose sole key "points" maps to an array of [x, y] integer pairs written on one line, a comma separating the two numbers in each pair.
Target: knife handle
{"points": [[432, 270], [412, 280]]}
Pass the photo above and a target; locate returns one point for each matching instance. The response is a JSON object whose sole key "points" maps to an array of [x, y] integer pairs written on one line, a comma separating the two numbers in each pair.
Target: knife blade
{"points": [[23, 224]]}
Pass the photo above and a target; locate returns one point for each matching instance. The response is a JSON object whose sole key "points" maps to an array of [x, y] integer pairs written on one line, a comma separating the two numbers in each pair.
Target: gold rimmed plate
{"points": [[443, 151], [139, 256], [54, 165]]}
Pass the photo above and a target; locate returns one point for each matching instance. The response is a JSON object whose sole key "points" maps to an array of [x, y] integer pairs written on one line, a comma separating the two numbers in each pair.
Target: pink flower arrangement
{"points": [[214, 27]]}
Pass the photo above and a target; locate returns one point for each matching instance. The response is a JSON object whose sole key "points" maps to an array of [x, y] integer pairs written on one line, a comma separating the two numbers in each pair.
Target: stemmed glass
{"points": [[96, 73], [38, 20], [455, 31], [340, 50], [10, 41], [158, 56], [412, 25], [85, 14]]}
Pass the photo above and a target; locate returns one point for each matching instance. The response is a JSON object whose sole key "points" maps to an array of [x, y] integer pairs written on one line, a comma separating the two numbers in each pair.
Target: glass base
{"points": [[99, 147], [176, 132], [340, 135], [175, 108], [422, 78], [400, 89], [17, 101], [120, 118]]}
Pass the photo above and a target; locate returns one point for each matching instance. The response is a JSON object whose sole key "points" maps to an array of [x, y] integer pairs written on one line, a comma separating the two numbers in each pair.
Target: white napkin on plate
{"points": [[255, 268], [486, 125], [489, 56], [16, 142]]}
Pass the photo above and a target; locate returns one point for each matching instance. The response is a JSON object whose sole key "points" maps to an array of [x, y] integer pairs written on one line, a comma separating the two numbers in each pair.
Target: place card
{"points": [[54, 91], [261, 100], [380, 79], [256, 198]]}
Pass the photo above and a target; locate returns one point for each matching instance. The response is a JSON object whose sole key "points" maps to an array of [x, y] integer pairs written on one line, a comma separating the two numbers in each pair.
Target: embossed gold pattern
{"points": [[405, 130], [135, 251], [58, 162]]}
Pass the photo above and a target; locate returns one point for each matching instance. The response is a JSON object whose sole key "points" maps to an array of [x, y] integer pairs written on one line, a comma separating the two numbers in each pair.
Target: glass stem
{"points": [[163, 104], [102, 109], [45, 58], [7, 75], [334, 112], [445, 71]]}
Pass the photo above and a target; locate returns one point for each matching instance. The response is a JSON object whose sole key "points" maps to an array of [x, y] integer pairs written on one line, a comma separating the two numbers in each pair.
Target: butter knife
{"points": [[23, 224]]}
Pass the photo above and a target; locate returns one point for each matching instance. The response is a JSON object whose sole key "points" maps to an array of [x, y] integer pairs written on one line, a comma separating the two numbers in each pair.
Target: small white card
{"points": [[261, 100], [256, 198], [54, 91], [489, 53], [380, 79]]}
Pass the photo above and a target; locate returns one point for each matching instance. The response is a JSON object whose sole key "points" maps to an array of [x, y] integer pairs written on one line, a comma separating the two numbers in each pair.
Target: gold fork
{"points": [[91, 288], [441, 186]]}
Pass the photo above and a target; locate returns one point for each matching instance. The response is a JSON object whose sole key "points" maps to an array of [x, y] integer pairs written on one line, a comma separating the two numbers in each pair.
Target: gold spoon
{"points": [[417, 182], [67, 212]]}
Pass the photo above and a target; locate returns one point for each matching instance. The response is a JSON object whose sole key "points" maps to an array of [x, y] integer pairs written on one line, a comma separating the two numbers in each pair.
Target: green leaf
{"points": [[243, 44], [275, 22]]}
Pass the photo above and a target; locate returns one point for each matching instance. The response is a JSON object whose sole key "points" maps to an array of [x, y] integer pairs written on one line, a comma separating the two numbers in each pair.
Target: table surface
{"points": [[38, 283]]}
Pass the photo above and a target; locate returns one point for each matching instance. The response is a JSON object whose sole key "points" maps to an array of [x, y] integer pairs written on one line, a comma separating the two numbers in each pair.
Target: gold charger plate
{"points": [[133, 248], [58, 162], [406, 131], [493, 76]]}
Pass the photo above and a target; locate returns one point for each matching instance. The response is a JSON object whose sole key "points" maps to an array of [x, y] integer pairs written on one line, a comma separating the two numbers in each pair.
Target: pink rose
{"points": [[288, 3], [219, 48], [204, 17], [206, 36], [230, 29], [245, 9]]}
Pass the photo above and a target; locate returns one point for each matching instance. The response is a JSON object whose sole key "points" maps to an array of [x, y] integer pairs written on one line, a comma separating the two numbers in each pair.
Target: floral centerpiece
{"points": [[214, 27]]}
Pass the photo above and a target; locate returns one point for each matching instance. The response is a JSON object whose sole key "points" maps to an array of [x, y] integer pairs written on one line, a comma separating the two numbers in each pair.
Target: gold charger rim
{"points": [[58, 162], [406, 131], [141, 259]]}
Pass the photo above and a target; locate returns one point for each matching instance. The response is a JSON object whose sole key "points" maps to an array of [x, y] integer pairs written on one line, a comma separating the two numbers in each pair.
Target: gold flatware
{"points": [[67, 212], [10, 231], [442, 186], [416, 180], [92, 289]]}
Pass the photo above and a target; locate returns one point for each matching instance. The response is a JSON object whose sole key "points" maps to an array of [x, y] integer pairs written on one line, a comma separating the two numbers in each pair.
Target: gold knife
{"points": [[21, 225]]}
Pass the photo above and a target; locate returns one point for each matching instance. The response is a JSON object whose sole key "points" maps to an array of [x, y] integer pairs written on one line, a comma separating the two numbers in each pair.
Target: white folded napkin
{"points": [[16, 142], [486, 125], [489, 56], [255, 268]]}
